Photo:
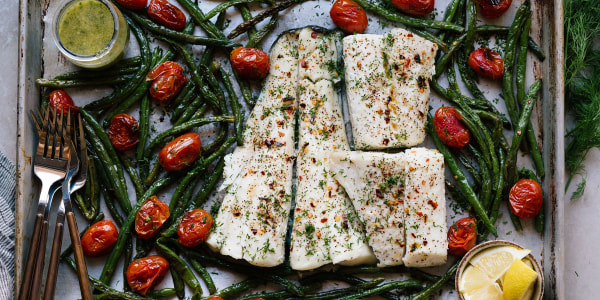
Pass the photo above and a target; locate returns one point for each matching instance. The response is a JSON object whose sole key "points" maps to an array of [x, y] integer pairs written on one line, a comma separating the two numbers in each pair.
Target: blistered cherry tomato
{"points": [[250, 63], [449, 127], [166, 14], [144, 273], [123, 132], [133, 4], [167, 81], [194, 227], [215, 298], [525, 198], [61, 101], [493, 8], [487, 63], [180, 152], [462, 236], [100, 238], [349, 16], [151, 217], [414, 7]]}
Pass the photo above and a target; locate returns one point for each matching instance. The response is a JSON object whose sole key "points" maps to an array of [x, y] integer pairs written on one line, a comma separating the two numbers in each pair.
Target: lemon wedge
{"points": [[472, 279], [495, 261], [488, 292], [519, 281]]}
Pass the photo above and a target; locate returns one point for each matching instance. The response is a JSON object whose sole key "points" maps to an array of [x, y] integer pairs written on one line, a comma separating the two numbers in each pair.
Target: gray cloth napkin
{"points": [[7, 226]]}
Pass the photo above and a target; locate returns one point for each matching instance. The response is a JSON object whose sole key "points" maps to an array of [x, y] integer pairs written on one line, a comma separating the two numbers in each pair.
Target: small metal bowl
{"points": [[538, 293], [106, 56]]}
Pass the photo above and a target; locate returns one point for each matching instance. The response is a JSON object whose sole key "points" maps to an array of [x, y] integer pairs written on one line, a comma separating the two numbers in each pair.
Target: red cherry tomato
{"points": [[487, 63], [250, 63], [493, 8], [60, 100], [123, 132], [525, 198], [180, 152], [133, 4], [414, 7], [166, 14], [215, 298], [349, 16], [100, 238], [146, 272], [194, 227], [151, 217], [462, 236], [167, 81], [449, 127]]}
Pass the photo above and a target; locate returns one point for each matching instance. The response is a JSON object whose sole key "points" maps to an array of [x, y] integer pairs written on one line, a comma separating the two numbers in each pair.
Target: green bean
{"points": [[337, 276], [178, 284], [122, 67], [216, 144], [497, 124], [200, 112], [386, 11], [115, 254], [540, 219], [330, 294], [235, 107], [69, 249], [204, 275], [458, 196], [246, 25], [81, 82], [462, 182], [447, 57], [393, 285], [144, 127], [156, 168], [176, 206], [246, 15], [209, 184], [475, 173], [256, 38], [120, 94], [471, 24], [469, 78], [185, 90], [225, 5], [128, 260], [186, 101], [209, 52], [449, 15], [198, 16], [179, 265], [430, 289], [237, 288], [532, 45], [499, 188], [515, 221], [133, 174], [190, 110], [162, 293], [109, 199], [281, 294], [214, 85], [92, 192], [486, 188], [245, 89]]}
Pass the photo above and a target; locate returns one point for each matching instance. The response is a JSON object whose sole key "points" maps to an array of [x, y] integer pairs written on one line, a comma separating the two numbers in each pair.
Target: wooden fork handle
{"points": [[54, 257], [39, 263], [31, 258], [82, 274]]}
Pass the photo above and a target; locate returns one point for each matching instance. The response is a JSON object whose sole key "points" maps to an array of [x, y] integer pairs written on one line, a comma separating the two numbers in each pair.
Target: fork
{"points": [[50, 165], [80, 174]]}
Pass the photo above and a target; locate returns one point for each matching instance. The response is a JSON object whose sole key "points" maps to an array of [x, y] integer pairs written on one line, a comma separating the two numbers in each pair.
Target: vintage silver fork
{"points": [[50, 165]]}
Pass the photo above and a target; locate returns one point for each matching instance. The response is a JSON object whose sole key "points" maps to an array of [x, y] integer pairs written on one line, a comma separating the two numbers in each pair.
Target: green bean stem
{"points": [[430, 289]]}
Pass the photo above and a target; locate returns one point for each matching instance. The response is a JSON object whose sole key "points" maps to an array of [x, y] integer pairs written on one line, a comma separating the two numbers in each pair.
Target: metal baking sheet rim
{"points": [[31, 29]]}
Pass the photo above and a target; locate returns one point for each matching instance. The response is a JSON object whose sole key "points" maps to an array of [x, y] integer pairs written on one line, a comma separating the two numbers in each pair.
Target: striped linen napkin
{"points": [[7, 226]]}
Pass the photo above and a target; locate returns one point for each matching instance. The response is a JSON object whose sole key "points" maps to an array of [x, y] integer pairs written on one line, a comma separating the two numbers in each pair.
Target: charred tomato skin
{"points": [[526, 198], [414, 7], [180, 152], [462, 236], [166, 14], [99, 239], [123, 132], [145, 272], [349, 16], [250, 63], [448, 125], [487, 63], [492, 9], [151, 216], [167, 81], [61, 102], [133, 4], [194, 227]]}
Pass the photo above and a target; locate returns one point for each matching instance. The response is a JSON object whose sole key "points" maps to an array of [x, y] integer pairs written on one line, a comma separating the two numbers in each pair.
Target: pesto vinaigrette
{"points": [[86, 27]]}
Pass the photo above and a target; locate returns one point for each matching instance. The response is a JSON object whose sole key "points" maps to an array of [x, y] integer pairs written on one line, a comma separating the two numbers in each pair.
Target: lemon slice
{"points": [[519, 281], [488, 292], [495, 261], [472, 279]]}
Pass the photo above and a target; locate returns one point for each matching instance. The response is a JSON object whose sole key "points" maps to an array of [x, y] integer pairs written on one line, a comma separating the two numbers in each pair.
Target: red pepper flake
{"points": [[432, 203], [420, 214], [314, 35], [304, 64], [323, 220], [386, 141]]}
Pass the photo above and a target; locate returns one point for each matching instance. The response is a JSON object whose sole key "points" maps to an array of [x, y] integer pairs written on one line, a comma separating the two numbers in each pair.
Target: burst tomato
{"points": [[414, 7], [525, 198], [167, 81], [462, 236], [349, 16], [448, 126], [123, 132], [146, 272], [487, 63], [194, 227], [215, 298], [493, 8], [133, 4], [180, 152], [251, 63], [166, 14], [151, 217], [61, 101], [100, 238]]}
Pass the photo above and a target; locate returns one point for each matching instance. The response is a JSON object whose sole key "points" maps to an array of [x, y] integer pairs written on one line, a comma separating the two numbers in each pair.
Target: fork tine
{"points": [[82, 146], [45, 116], [36, 122], [60, 136], [50, 146]]}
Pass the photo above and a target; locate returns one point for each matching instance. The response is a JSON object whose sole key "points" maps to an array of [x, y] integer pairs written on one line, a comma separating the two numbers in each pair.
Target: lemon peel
{"points": [[519, 281]]}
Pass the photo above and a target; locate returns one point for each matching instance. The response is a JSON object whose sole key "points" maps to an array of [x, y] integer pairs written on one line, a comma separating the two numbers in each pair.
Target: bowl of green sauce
{"points": [[90, 33]]}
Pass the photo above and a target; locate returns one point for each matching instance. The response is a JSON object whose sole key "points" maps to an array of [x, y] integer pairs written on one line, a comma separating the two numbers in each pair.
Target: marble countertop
{"points": [[581, 243]]}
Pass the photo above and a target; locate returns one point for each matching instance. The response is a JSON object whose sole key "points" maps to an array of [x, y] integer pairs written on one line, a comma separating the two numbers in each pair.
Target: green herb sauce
{"points": [[86, 27]]}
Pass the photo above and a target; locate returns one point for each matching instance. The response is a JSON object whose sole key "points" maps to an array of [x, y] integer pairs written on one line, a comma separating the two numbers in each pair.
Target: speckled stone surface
{"points": [[9, 37]]}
